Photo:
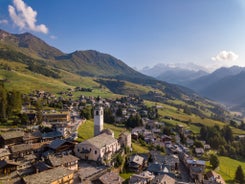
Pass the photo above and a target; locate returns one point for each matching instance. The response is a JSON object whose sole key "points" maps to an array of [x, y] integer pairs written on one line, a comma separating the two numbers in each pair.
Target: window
{"points": [[97, 113], [95, 152]]}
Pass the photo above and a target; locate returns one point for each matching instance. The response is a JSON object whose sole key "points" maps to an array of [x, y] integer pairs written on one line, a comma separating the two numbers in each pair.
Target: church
{"points": [[102, 146]]}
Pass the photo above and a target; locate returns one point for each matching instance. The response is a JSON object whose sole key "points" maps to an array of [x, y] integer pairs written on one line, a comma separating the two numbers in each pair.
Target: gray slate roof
{"points": [[12, 134], [56, 143], [100, 141], [48, 176], [20, 147], [60, 160]]}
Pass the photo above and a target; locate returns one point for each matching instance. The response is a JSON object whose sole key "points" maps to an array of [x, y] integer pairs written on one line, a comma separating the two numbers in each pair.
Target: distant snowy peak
{"points": [[161, 68]]}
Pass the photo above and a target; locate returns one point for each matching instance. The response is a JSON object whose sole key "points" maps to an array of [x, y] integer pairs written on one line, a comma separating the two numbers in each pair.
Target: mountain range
{"points": [[40, 58], [225, 85]]}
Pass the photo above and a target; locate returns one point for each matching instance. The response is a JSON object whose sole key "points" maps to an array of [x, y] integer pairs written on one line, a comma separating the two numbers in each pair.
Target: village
{"points": [[47, 150]]}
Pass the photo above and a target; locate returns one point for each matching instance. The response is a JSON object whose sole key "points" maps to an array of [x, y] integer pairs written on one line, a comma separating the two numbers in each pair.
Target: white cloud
{"points": [[225, 56], [4, 21], [25, 17]]}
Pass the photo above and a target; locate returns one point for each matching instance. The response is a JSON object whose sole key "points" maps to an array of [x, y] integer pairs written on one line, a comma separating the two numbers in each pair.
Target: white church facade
{"points": [[102, 146], [99, 148]]}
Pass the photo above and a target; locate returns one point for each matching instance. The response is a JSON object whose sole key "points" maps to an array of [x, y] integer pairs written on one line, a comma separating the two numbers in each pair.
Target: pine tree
{"points": [[214, 161], [239, 175], [3, 103]]}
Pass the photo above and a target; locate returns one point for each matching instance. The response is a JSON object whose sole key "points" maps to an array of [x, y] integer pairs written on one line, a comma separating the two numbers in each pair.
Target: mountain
{"points": [[95, 64], [180, 76], [226, 85], [160, 69], [204, 82], [28, 63], [41, 58], [175, 73], [29, 44]]}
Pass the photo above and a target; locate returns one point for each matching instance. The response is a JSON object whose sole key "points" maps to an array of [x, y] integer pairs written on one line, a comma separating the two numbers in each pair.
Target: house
{"points": [[61, 146], [196, 169], [11, 138], [51, 176], [68, 161], [213, 178], [189, 142], [163, 179], [62, 127], [136, 163], [7, 167], [56, 117], [99, 148], [125, 139], [19, 151], [199, 152], [4, 153], [32, 137], [158, 169], [142, 178], [49, 136], [172, 161], [110, 178]]}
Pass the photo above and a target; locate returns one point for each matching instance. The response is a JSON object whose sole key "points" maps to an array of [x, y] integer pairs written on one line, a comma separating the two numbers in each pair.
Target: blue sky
{"points": [[142, 33]]}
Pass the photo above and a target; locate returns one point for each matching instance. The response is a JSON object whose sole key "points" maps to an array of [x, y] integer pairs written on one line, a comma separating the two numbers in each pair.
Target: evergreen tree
{"points": [[239, 175], [108, 116], [227, 133], [87, 112], [14, 102], [214, 161], [3, 103]]}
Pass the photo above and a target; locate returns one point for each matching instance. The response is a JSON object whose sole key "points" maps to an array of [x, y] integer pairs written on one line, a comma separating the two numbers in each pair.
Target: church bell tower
{"points": [[98, 119]]}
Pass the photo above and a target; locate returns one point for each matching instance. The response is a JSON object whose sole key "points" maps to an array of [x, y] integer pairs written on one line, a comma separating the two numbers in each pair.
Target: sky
{"points": [[210, 33]]}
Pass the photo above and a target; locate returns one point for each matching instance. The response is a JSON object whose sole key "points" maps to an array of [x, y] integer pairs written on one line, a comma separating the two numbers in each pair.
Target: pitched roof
{"points": [[137, 159], [53, 134], [63, 159], [48, 176], [213, 175], [12, 135], [163, 179], [56, 143], [111, 178], [20, 147], [100, 141]]}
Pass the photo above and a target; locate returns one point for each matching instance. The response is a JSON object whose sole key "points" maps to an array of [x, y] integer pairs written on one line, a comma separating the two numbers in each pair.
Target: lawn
{"points": [[227, 168], [139, 149]]}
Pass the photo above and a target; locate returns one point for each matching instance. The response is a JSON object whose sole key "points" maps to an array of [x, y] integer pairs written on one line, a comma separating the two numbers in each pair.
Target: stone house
{"points": [[136, 163], [54, 176], [111, 178], [11, 138], [68, 161], [4, 153], [125, 139], [142, 178], [19, 151]]}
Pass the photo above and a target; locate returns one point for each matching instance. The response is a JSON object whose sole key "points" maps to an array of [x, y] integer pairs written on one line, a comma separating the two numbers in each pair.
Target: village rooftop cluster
{"points": [[31, 155]]}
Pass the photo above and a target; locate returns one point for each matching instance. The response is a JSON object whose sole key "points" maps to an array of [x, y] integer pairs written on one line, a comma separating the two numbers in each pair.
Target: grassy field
{"points": [[227, 168]]}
